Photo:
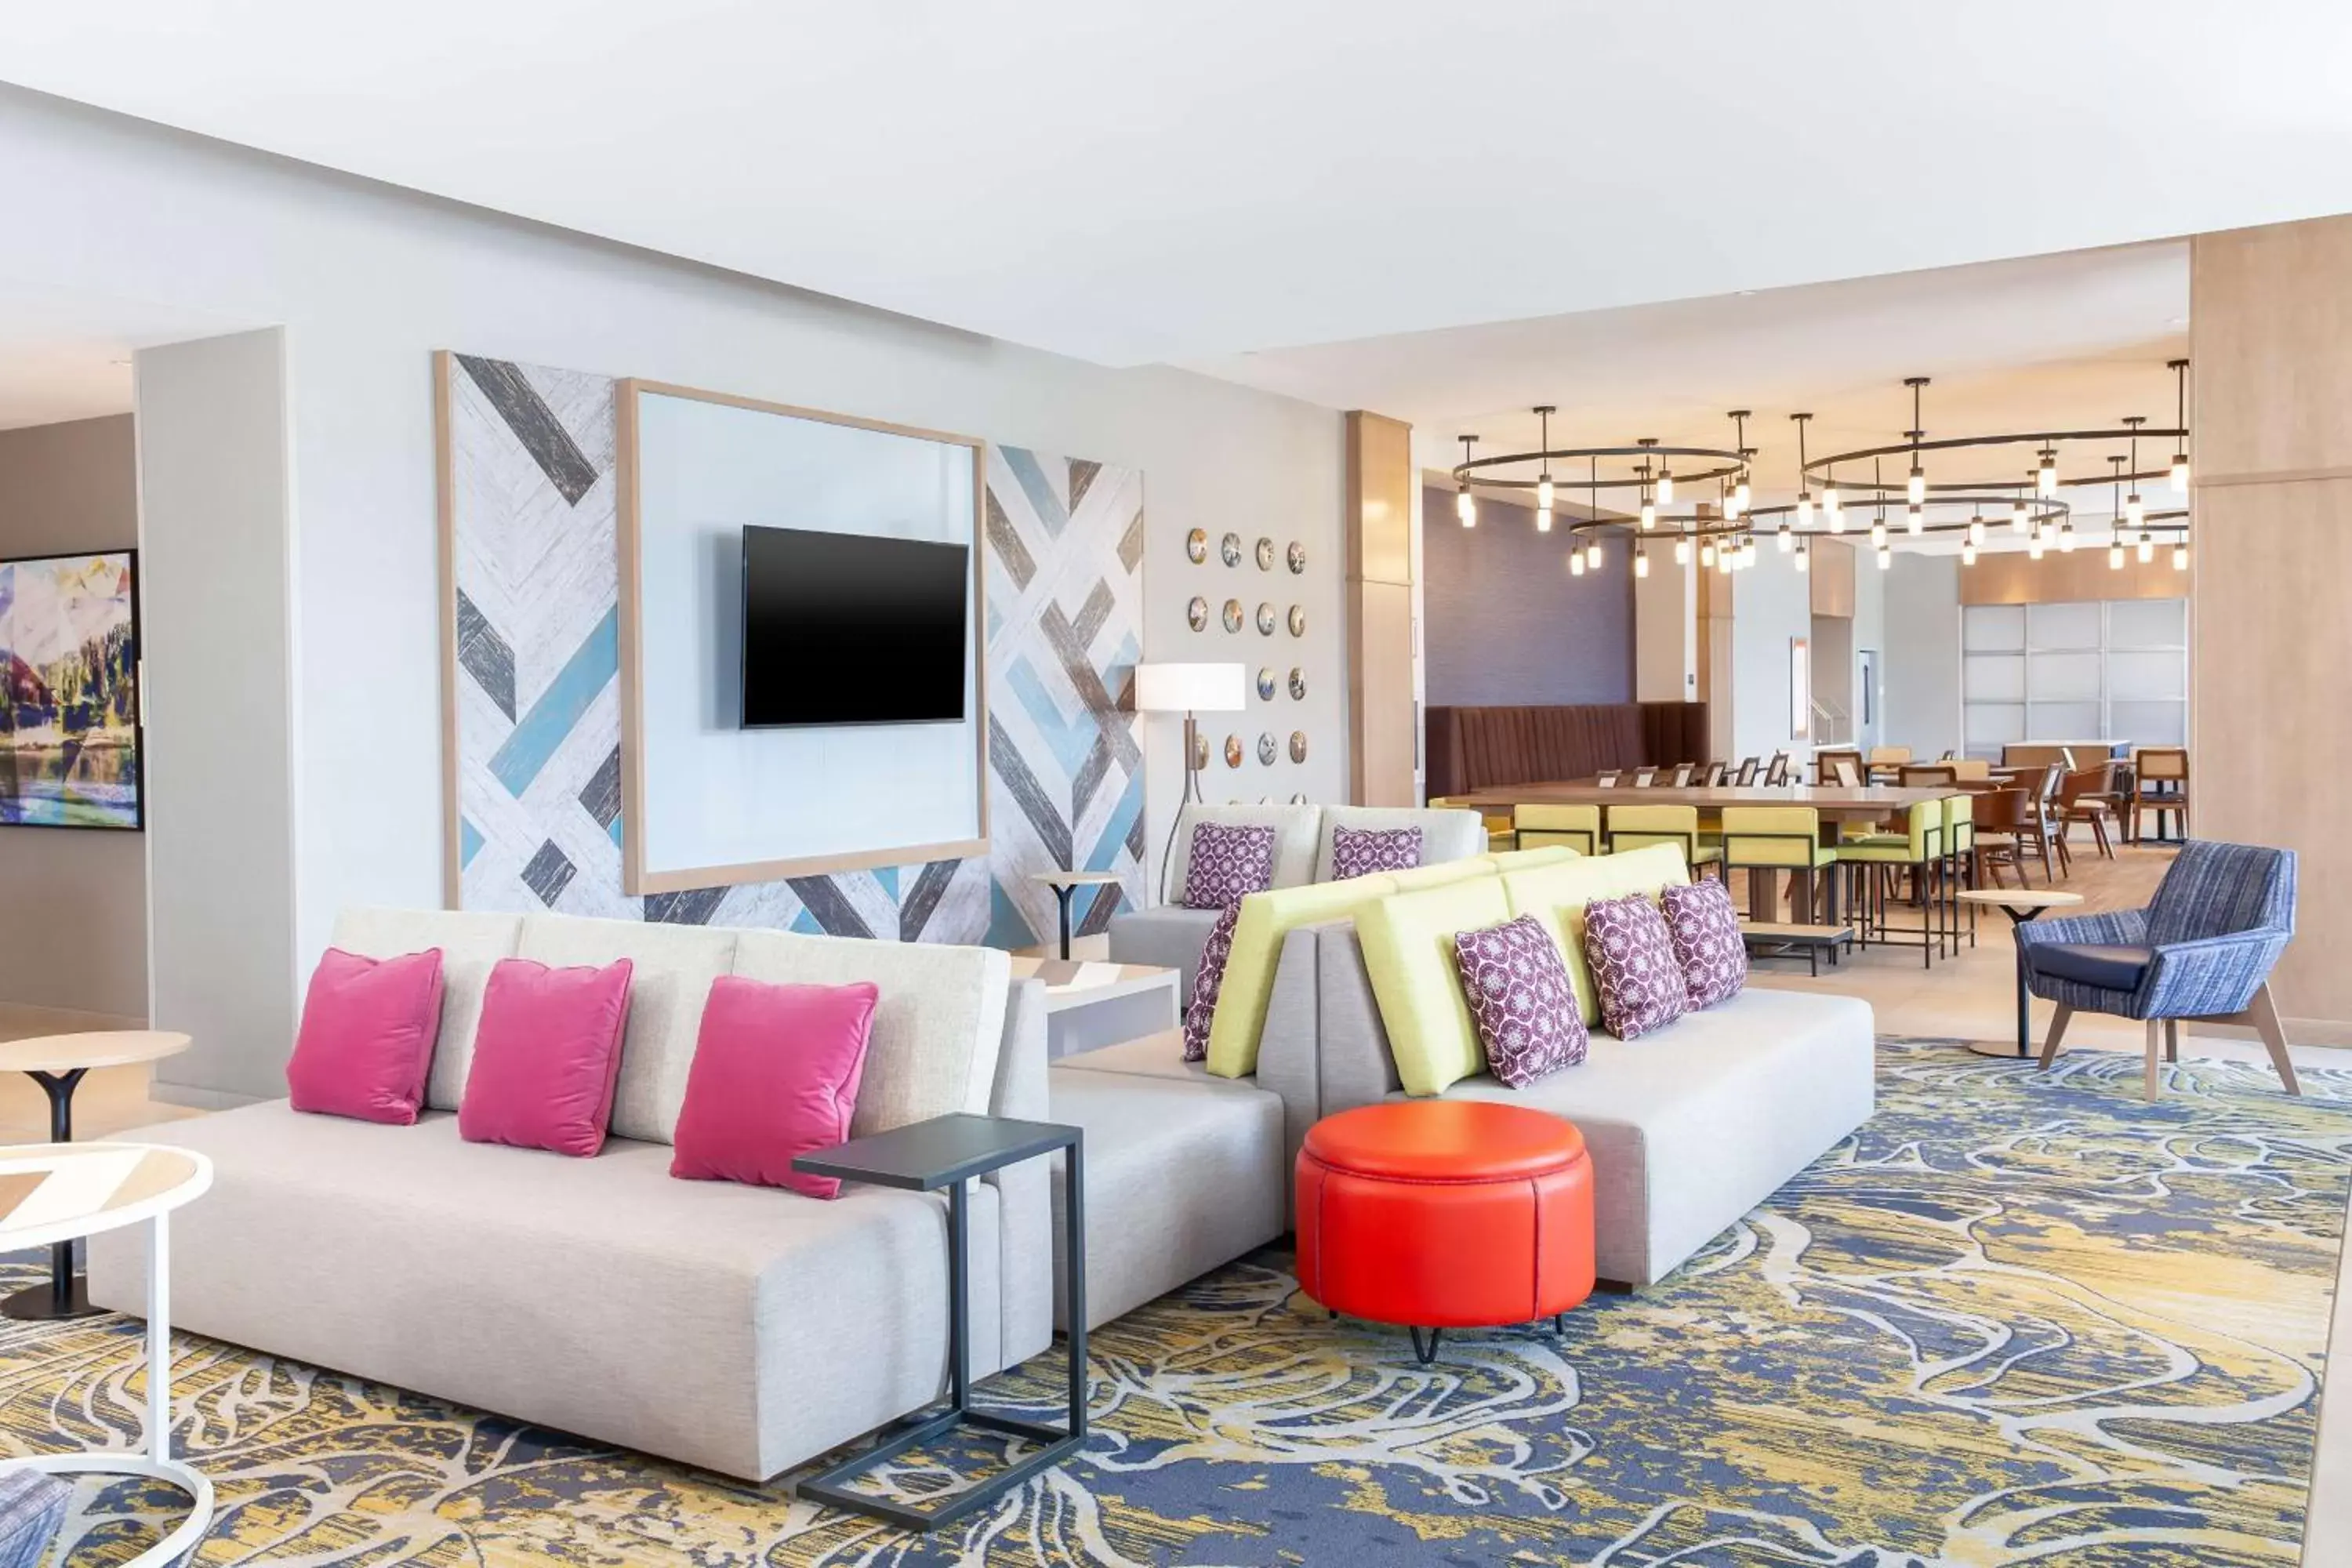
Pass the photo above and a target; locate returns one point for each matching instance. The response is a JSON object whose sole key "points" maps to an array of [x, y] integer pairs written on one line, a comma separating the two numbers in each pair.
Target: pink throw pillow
{"points": [[546, 1056], [776, 1074], [367, 1035]]}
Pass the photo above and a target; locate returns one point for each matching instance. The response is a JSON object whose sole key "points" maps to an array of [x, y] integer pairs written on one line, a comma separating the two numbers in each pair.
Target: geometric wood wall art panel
{"points": [[531, 539]]}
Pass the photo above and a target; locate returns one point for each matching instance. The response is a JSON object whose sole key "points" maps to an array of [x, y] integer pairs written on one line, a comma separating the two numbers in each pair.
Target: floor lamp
{"points": [[1189, 688]]}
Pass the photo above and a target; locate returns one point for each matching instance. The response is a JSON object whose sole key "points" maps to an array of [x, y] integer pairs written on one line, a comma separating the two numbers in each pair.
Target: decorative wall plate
{"points": [[1232, 751], [1267, 749], [1196, 613], [1230, 548], [1297, 684], [1196, 546], [1299, 745], [1265, 621], [1266, 554], [1265, 683], [1199, 751], [1232, 615], [1298, 620], [1298, 557]]}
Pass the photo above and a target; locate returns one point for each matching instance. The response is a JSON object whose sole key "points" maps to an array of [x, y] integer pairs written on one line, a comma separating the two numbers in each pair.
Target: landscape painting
{"points": [[70, 701]]}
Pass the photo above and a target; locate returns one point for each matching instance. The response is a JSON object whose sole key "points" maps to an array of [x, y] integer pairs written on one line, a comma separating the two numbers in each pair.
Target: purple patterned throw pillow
{"points": [[1228, 863], [1361, 851], [1708, 945], [1521, 997], [1202, 1011], [1631, 956]]}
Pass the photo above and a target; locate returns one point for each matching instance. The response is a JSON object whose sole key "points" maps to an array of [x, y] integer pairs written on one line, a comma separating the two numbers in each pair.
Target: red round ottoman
{"points": [[1440, 1213]]}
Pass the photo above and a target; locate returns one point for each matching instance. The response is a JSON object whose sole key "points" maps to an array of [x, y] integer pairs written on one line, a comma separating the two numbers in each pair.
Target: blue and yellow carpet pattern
{"points": [[2019, 1319]]}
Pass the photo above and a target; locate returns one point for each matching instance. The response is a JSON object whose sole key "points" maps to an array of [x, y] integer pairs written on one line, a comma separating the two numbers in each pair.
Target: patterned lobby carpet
{"points": [[2018, 1318]]}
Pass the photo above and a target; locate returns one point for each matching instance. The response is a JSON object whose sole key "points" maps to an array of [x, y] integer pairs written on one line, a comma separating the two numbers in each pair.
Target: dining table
{"points": [[1836, 804]]}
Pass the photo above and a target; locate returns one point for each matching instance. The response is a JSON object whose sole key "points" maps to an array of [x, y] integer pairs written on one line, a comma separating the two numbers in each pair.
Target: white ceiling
{"points": [[1182, 182], [68, 356]]}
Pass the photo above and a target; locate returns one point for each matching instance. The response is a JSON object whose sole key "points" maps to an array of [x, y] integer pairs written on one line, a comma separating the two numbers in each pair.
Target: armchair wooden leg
{"points": [[2058, 1022], [2263, 1013], [2154, 1076], [2172, 1039]]}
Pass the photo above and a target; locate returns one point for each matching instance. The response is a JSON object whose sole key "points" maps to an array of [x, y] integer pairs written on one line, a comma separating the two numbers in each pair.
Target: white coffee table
{"points": [[52, 1192], [1090, 1003], [57, 1062]]}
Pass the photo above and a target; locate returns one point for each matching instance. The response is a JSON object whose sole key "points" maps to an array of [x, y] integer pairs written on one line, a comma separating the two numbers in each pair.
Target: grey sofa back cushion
{"points": [[1295, 832], [672, 969], [471, 944]]}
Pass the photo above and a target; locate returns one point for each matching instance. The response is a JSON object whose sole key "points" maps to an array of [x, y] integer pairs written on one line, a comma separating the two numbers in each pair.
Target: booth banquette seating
{"points": [[1477, 748]]}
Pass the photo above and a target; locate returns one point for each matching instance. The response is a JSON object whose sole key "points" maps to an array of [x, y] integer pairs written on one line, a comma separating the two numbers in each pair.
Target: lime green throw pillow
{"points": [[1408, 941], [1248, 985]]}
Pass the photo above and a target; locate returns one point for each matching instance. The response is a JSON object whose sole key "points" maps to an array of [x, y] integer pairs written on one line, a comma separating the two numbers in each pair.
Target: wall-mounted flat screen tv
{"points": [[848, 628]]}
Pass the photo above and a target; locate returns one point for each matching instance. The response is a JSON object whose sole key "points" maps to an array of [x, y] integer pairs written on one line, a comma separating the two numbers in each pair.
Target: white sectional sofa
{"points": [[1172, 936], [741, 1329]]}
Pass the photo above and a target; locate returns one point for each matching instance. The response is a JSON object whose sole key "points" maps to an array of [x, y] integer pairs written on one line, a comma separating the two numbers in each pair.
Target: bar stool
{"points": [[1577, 827], [1920, 849], [1639, 826], [1768, 839]]}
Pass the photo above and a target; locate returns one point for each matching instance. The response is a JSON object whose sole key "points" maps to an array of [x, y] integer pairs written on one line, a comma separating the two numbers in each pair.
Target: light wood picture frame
{"points": [[637, 876]]}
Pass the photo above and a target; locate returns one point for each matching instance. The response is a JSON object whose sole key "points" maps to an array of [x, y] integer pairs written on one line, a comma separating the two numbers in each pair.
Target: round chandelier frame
{"points": [[1651, 463]]}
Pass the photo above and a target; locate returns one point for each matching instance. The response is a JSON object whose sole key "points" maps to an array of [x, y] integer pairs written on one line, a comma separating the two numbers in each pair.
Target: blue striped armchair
{"points": [[2202, 951]]}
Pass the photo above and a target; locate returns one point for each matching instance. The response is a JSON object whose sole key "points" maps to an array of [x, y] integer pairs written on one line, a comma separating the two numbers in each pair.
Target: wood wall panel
{"points": [[2271, 733], [2079, 576], [1377, 549]]}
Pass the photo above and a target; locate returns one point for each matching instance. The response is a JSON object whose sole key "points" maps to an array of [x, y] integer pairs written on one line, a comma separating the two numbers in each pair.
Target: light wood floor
{"points": [[1973, 996]]}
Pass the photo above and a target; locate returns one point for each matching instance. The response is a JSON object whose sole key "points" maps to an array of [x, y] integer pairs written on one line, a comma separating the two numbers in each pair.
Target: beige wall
{"points": [[73, 901], [2271, 341]]}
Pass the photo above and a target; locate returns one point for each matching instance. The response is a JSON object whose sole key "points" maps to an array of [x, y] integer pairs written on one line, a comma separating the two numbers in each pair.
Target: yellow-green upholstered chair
{"points": [[1960, 856], [1776, 838], [1639, 826], [1920, 848], [1577, 827]]}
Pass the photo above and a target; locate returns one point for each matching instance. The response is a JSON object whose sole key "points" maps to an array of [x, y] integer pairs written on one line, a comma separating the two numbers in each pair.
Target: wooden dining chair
{"points": [[2088, 795], [1825, 765], [2000, 817], [1928, 776], [2160, 785], [1778, 773], [1607, 780], [1747, 766], [1683, 772], [1849, 774], [2040, 834], [1715, 772], [1645, 777]]}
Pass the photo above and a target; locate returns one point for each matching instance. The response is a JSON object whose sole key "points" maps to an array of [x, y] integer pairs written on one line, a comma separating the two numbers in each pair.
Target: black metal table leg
{"points": [[1062, 892], [64, 1296]]}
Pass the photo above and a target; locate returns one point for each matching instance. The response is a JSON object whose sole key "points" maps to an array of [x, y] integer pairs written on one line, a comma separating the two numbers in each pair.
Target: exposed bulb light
{"points": [[1879, 533], [1830, 501], [2115, 556], [1804, 508], [2147, 552], [1682, 552], [1885, 558], [2045, 478], [1916, 522], [1665, 487], [2180, 556], [1706, 553], [1976, 530], [1466, 508], [2180, 369], [2019, 515], [1788, 537], [2181, 473], [1741, 495], [1543, 493], [1804, 556], [1649, 516], [1592, 555], [1915, 491], [2033, 546], [1640, 562], [1968, 552], [1575, 563], [1543, 519], [2134, 511], [2066, 537]]}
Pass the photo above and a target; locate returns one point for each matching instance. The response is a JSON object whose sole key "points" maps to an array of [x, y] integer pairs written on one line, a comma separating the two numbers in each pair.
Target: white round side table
{"points": [[52, 1192]]}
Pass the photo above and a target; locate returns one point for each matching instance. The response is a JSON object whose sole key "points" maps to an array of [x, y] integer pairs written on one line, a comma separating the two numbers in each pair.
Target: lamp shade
{"points": [[1191, 687]]}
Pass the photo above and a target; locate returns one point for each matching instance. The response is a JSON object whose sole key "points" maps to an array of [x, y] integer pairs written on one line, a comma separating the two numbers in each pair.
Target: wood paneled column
{"points": [[2270, 576], [1383, 722]]}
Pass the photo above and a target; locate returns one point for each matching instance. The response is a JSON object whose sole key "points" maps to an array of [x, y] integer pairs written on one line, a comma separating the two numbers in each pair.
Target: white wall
{"points": [[1922, 669], [367, 281], [217, 622], [1771, 603], [1869, 627], [73, 922]]}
